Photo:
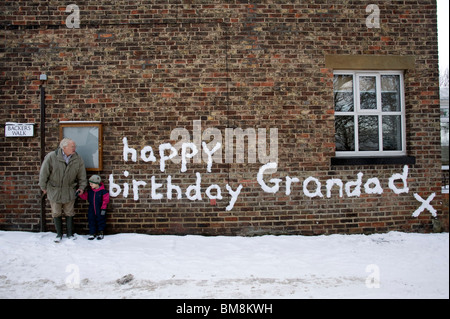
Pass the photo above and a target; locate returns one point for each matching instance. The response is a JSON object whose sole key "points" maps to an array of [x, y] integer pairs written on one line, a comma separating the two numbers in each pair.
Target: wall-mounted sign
{"points": [[19, 129]]}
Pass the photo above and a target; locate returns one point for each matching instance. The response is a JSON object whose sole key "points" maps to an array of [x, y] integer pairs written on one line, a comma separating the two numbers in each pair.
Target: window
{"points": [[88, 137], [444, 139], [444, 126], [369, 113]]}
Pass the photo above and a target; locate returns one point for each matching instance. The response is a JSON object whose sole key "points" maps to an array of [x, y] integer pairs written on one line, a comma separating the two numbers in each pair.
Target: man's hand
{"points": [[80, 192]]}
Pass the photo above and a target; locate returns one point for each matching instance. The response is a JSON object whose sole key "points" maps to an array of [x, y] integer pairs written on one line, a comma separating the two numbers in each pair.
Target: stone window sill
{"points": [[404, 160]]}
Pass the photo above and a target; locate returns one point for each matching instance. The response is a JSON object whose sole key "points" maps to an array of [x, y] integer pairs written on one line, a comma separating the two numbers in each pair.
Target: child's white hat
{"points": [[95, 179]]}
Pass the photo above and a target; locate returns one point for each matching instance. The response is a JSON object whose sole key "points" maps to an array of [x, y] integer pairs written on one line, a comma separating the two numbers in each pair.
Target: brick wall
{"points": [[147, 68]]}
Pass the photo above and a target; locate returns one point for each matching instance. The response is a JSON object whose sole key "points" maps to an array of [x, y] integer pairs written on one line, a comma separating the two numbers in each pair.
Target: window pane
{"points": [[392, 133], [368, 92], [86, 139], [444, 142], [345, 133], [343, 93], [368, 133], [390, 93], [444, 114]]}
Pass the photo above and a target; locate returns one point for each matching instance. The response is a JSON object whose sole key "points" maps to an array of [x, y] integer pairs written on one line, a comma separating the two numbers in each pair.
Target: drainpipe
{"points": [[43, 79]]}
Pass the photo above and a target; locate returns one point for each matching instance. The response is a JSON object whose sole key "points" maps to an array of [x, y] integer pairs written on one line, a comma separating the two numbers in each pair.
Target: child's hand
{"points": [[103, 212]]}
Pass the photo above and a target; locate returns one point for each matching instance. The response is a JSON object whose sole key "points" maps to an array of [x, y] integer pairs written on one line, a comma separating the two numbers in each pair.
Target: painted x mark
{"points": [[425, 205]]}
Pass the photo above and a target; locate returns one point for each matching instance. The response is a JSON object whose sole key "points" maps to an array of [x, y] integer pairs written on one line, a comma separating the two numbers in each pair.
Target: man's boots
{"points": [[58, 226], [69, 224]]}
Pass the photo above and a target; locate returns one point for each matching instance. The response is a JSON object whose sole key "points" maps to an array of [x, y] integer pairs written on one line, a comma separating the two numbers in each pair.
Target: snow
{"points": [[392, 265]]}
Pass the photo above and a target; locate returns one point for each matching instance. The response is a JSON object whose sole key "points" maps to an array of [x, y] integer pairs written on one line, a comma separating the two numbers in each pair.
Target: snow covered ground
{"points": [[392, 265]]}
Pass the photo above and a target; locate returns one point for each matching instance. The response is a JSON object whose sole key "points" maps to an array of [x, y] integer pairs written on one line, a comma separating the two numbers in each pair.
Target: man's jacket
{"points": [[61, 180]]}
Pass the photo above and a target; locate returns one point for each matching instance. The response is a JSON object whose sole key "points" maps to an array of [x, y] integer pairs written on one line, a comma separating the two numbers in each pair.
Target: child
{"points": [[98, 198]]}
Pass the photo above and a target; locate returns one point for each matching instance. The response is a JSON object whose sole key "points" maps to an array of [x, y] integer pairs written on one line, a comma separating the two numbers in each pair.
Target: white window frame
{"points": [[357, 111], [444, 119]]}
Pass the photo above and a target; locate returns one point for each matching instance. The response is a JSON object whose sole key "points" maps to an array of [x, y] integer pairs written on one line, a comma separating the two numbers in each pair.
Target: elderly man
{"points": [[63, 175]]}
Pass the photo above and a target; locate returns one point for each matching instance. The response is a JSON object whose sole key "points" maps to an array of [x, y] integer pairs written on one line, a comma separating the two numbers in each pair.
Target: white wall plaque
{"points": [[19, 129]]}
